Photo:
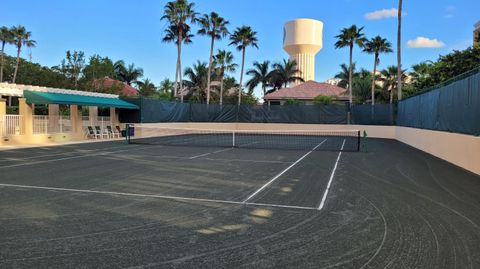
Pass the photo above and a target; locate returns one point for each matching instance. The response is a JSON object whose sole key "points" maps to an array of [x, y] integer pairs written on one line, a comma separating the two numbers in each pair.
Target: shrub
{"points": [[322, 100], [292, 101]]}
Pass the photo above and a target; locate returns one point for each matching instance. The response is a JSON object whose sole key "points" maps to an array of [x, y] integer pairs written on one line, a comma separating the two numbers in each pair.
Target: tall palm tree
{"points": [[21, 37], [243, 37], [215, 27], [376, 46], [389, 80], [172, 35], [349, 37], [344, 74], [284, 73], [224, 61], [6, 37], [399, 50], [179, 14], [260, 75]]}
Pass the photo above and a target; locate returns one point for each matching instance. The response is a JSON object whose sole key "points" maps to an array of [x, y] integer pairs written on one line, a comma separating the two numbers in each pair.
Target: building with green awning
{"points": [[37, 97]]}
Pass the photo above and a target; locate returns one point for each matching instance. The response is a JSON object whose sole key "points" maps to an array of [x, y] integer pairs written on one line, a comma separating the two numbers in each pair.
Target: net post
{"points": [[233, 138], [358, 140], [127, 133]]}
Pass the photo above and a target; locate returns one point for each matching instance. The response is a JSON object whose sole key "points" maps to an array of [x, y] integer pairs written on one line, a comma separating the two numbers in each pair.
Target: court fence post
{"points": [[358, 140]]}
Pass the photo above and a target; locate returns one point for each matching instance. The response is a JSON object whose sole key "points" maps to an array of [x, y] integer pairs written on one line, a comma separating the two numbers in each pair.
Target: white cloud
{"points": [[382, 14], [424, 42], [450, 12]]}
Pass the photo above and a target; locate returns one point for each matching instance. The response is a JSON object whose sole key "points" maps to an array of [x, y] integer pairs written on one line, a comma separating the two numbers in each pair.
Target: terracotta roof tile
{"points": [[307, 91], [107, 82]]}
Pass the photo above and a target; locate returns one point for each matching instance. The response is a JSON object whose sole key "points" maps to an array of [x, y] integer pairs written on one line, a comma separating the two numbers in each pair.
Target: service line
{"points": [[322, 203], [283, 172]]}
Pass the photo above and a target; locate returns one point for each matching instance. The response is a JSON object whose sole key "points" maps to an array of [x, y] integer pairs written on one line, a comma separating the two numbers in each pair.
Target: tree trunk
{"points": [[1, 61], [16, 65], [241, 77], [373, 78], [350, 98], [180, 75], [391, 95], [399, 54], [178, 70], [210, 70], [221, 90]]}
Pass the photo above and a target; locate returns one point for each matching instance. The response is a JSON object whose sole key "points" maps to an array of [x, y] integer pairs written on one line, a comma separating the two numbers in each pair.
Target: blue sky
{"points": [[132, 30]]}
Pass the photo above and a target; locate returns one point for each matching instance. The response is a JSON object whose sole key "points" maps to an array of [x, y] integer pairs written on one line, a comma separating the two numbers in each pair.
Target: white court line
{"points": [[282, 206], [283, 172], [167, 197], [242, 160], [322, 203], [75, 151], [72, 157], [208, 153]]}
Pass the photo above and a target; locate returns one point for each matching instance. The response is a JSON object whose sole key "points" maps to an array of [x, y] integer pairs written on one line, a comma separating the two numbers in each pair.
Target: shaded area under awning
{"points": [[34, 97]]}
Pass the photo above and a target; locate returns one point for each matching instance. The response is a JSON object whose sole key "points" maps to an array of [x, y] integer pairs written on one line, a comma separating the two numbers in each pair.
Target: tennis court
{"points": [[318, 203]]}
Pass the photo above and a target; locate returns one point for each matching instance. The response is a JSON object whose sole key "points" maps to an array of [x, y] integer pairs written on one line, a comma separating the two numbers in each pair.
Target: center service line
{"points": [[283, 172], [322, 203]]}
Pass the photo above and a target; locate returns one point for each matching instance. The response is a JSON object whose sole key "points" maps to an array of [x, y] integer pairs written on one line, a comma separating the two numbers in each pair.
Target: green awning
{"points": [[34, 97]]}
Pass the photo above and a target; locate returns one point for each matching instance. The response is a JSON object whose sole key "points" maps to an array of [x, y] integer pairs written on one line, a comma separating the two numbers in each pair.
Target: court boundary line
{"points": [[324, 198], [71, 157], [283, 172], [74, 151], [158, 196], [208, 153]]}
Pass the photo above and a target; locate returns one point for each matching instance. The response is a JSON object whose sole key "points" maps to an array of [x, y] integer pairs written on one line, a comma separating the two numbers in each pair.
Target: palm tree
{"points": [[389, 80], [399, 50], [131, 74], [344, 75], [260, 75], [178, 14], [21, 37], [166, 86], [146, 88], [284, 73], [242, 38], [349, 37], [172, 35], [216, 27], [119, 69], [376, 46], [224, 59], [6, 37], [196, 80]]}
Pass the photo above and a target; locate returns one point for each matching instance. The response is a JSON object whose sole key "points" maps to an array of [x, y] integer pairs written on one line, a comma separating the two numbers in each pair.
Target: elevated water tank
{"points": [[302, 39]]}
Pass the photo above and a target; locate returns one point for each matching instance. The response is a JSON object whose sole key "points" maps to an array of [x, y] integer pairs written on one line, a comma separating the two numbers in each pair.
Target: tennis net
{"points": [[340, 140]]}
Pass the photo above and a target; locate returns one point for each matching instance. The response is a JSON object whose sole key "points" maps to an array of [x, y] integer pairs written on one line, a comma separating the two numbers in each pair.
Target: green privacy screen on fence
{"points": [[162, 111], [454, 107]]}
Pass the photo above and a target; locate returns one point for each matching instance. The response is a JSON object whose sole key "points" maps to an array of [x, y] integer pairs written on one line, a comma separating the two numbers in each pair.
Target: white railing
{"points": [[11, 125], [103, 122], [51, 124], [40, 124]]}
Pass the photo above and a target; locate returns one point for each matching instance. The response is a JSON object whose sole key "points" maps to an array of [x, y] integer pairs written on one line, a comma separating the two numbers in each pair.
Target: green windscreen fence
{"points": [[454, 108], [161, 111]]}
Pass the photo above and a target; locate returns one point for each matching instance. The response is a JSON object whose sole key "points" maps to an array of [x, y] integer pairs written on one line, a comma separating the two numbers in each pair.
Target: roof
{"points": [[11, 89], [35, 97], [124, 88], [307, 91]]}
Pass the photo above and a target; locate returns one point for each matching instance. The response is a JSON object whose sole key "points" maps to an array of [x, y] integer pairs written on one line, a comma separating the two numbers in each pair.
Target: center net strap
{"points": [[330, 140]]}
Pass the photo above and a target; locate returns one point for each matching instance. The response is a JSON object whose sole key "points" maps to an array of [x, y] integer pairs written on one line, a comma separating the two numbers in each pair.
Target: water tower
{"points": [[302, 39]]}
